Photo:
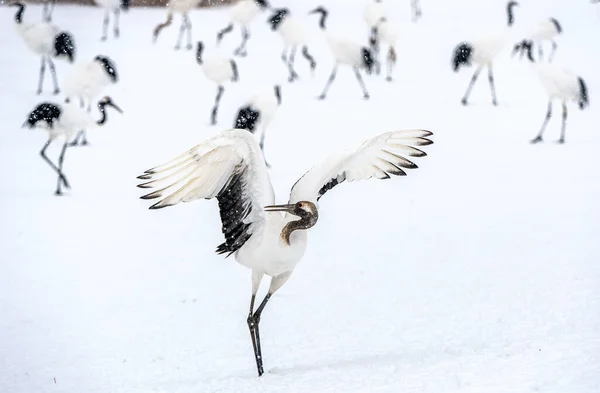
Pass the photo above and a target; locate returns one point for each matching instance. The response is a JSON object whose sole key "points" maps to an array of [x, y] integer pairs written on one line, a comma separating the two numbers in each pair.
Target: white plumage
{"points": [[257, 112], [89, 80], [218, 69], [546, 30], [345, 52], [294, 34], [387, 34], [230, 168], [243, 14], [560, 85], [46, 40], [64, 120]]}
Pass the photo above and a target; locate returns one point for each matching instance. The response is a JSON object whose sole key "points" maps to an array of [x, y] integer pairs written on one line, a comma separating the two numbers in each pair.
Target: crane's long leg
{"points": [[252, 327], [42, 72], [540, 50], [329, 82], [241, 50], [188, 27], [58, 171], [105, 23], [228, 29], [47, 11], [554, 46], [283, 55], [181, 31], [564, 123], [116, 30], [416, 8], [54, 78], [311, 60], [374, 44], [293, 75], [492, 87], [213, 116], [61, 159], [391, 62], [538, 138], [471, 84], [361, 83]]}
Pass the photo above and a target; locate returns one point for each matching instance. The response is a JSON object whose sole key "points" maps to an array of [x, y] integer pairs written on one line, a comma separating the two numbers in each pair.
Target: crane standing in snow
{"points": [[218, 69], [345, 52], [559, 84], [242, 14], [64, 120], [231, 168], [294, 35], [87, 82], [46, 40]]}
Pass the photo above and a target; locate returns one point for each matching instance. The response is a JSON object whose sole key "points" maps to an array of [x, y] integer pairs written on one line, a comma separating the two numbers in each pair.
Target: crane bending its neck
{"points": [[307, 211]]}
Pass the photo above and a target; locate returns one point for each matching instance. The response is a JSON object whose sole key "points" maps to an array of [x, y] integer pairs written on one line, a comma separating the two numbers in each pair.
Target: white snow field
{"points": [[477, 272]]}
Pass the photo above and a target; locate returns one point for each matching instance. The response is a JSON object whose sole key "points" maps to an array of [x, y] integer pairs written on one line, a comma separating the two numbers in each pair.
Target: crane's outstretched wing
{"points": [[229, 167], [378, 157]]}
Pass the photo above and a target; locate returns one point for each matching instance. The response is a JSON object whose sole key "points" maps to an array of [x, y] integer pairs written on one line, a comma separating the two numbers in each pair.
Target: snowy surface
{"points": [[478, 272]]}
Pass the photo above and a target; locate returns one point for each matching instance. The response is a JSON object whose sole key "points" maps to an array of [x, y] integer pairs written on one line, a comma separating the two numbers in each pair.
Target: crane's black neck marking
{"points": [[20, 11], [199, 50], [102, 108], [557, 25], [278, 16], [64, 45], [46, 111], [234, 209], [462, 56], [510, 12], [247, 118], [108, 66], [307, 220], [584, 99], [125, 4]]}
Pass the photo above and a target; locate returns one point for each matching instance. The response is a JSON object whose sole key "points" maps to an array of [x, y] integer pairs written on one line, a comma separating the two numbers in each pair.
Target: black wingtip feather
{"points": [[584, 99]]}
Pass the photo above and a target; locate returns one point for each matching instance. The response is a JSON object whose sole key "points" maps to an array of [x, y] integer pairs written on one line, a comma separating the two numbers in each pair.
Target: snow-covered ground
{"points": [[478, 272]]}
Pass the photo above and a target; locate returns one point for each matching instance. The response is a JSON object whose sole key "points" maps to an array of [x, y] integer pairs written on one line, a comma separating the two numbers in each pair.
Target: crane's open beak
{"points": [[281, 208]]}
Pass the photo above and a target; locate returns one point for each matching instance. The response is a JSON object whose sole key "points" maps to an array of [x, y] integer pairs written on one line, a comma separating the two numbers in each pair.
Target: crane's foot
{"points": [[39, 92], [389, 78], [561, 141], [117, 33], [537, 139], [321, 97], [366, 96], [58, 193], [103, 38], [177, 47], [464, 101], [495, 103], [56, 92], [188, 47], [292, 78]]}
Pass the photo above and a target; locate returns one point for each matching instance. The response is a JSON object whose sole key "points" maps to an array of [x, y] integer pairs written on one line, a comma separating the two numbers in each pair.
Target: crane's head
{"points": [[509, 9], [319, 10], [307, 211], [107, 101]]}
